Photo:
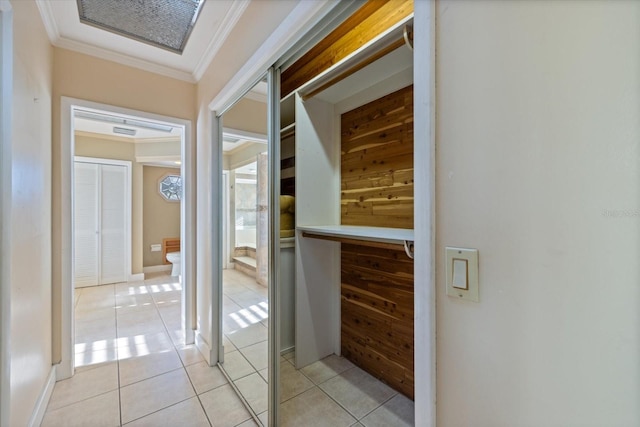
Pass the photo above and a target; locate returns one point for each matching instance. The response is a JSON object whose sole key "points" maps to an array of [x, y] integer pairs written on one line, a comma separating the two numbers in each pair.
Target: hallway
{"points": [[132, 367]]}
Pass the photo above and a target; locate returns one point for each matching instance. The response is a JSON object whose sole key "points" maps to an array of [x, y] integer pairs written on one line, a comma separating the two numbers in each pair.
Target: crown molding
{"points": [[50, 26], [258, 97], [158, 140], [228, 23], [246, 135], [232, 17], [158, 159], [102, 136]]}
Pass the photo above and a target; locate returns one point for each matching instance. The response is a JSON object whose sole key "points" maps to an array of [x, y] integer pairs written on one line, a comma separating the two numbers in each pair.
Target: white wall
{"points": [[31, 213], [538, 136]]}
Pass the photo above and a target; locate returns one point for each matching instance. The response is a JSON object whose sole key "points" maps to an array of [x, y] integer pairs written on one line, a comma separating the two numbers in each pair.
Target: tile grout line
{"points": [[240, 396], [338, 403], [117, 353], [184, 366], [158, 410], [232, 383]]}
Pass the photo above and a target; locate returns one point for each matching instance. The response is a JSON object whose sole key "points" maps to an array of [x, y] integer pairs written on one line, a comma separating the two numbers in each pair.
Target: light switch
{"points": [[156, 247], [462, 273]]}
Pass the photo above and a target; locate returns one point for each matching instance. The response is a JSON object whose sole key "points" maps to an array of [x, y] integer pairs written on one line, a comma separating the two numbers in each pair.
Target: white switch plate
{"points": [[462, 285], [156, 247]]}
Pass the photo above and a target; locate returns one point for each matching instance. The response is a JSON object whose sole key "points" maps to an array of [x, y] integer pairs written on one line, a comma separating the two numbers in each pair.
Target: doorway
{"points": [[116, 117]]}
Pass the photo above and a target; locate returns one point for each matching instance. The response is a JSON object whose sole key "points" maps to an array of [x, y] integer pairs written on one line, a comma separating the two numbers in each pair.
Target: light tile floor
{"points": [[331, 392], [133, 369]]}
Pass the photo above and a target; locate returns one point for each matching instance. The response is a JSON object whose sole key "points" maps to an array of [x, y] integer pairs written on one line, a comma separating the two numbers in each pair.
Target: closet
{"points": [[101, 221], [352, 124]]}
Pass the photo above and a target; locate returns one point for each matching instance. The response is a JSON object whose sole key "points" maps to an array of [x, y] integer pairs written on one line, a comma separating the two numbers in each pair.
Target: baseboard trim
{"points": [[286, 351], [136, 277], [157, 268], [43, 400], [204, 349]]}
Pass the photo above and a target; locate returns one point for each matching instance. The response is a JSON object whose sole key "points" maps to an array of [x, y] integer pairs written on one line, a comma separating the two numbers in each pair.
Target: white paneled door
{"points": [[101, 210]]}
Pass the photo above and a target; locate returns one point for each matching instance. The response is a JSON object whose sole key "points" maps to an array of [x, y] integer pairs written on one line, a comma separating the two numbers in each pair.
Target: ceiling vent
{"points": [[124, 131], [162, 23]]}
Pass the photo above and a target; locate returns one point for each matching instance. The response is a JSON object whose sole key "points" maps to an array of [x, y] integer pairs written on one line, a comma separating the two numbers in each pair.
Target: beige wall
{"points": [[161, 217], [99, 147], [81, 76], [538, 138], [30, 257], [247, 115]]}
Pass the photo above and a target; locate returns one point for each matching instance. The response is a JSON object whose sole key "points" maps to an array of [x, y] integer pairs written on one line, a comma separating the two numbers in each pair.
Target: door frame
{"points": [[187, 222], [128, 208], [6, 101]]}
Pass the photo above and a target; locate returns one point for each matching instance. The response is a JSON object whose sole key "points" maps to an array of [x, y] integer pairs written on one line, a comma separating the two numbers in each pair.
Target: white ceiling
{"points": [[217, 19]]}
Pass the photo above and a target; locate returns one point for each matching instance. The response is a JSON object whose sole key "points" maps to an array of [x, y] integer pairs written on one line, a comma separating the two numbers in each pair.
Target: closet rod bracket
{"points": [[408, 248]]}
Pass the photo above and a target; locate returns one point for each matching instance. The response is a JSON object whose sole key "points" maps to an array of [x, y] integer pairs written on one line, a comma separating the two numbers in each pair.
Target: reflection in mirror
{"points": [[245, 251]]}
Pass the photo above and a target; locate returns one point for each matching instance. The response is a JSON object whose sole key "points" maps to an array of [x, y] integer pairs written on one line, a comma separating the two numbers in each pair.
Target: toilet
{"points": [[174, 258]]}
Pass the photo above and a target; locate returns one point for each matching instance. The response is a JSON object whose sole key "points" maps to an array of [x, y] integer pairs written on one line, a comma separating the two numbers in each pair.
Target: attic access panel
{"points": [[166, 24]]}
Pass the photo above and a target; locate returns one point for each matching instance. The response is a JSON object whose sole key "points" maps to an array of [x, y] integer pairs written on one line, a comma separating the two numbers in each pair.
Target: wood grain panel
{"points": [[368, 22], [377, 313], [377, 162]]}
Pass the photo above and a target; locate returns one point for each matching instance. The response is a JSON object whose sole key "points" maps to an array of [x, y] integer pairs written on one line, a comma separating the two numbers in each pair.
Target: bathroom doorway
{"points": [[167, 149]]}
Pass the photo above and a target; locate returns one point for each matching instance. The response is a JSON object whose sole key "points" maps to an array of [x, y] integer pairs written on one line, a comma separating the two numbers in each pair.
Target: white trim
{"points": [[246, 135], [293, 28], [228, 23], [136, 277], [203, 347], [50, 25], [424, 214], [155, 159], [127, 206], [258, 97], [65, 245], [6, 101], [43, 400], [157, 268]]}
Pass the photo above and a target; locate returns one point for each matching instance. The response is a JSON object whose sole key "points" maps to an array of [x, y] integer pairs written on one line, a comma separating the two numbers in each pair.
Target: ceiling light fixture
{"points": [[166, 24]]}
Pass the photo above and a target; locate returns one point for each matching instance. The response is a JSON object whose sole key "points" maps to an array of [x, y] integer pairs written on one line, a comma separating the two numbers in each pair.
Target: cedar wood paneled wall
{"points": [[377, 284], [377, 162]]}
